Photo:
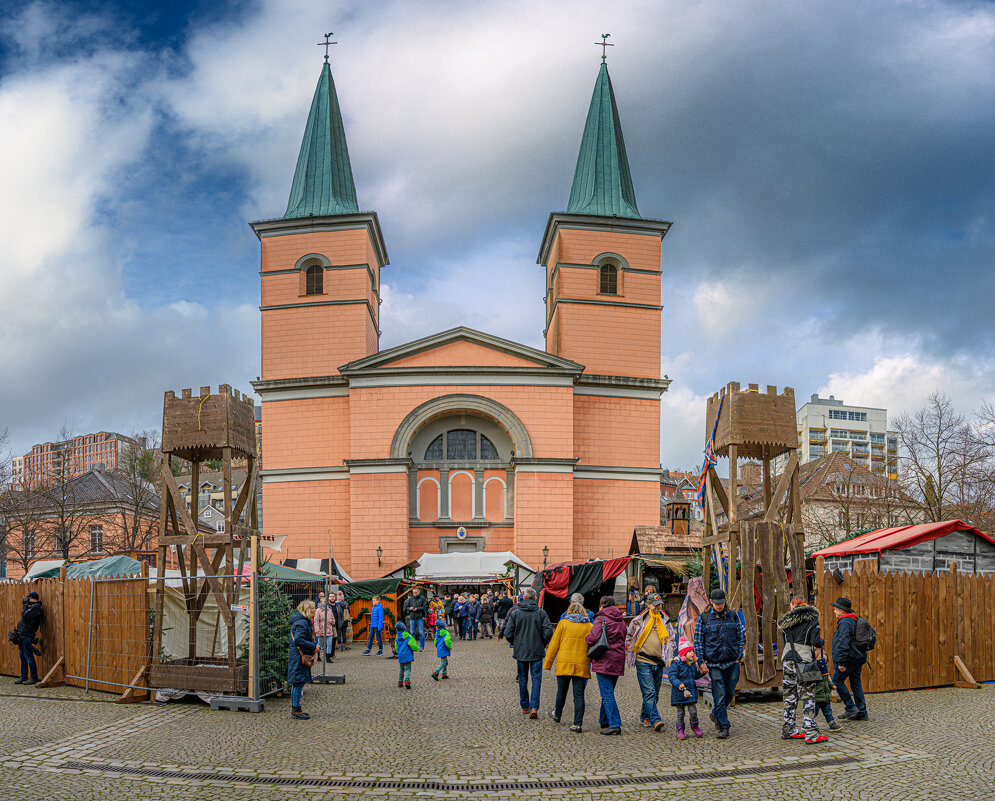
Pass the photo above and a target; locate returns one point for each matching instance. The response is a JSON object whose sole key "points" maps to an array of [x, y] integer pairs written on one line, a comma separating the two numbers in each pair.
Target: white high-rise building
{"points": [[827, 425]]}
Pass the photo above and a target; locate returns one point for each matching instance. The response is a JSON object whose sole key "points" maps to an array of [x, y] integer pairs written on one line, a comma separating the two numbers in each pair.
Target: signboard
{"points": [[239, 608]]}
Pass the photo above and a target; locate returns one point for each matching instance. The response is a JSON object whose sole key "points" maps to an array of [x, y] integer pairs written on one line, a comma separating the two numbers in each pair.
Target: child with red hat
{"points": [[683, 690]]}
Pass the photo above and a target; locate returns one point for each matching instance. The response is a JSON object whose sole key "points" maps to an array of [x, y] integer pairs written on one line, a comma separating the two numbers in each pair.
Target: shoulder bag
{"points": [[600, 647], [308, 660]]}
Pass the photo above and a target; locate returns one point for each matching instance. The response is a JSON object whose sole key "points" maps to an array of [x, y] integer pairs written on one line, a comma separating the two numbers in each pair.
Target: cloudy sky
{"points": [[829, 168]]}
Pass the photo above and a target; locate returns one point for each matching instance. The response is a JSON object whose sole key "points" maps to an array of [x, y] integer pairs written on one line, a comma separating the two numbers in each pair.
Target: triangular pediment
{"points": [[458, 348]]}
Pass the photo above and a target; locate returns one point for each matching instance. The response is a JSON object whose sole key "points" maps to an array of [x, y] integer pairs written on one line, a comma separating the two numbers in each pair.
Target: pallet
{"points": [[237, 703]]}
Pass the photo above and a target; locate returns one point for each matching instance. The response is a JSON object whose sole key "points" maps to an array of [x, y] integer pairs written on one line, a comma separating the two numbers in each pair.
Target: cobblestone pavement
{"points": [[466, 738]]}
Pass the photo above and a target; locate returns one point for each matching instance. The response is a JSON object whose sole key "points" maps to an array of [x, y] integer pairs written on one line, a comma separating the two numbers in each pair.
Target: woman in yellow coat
{"points": [[569, 648]]}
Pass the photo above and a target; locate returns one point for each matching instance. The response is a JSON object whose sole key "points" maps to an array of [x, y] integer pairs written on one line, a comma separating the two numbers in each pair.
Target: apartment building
{"points": [[73, 457], [828, 425]]}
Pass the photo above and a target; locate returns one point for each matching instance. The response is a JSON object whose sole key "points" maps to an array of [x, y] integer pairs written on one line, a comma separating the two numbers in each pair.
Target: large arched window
{"points": [[609, 279], [315, 277], [461, 445]]}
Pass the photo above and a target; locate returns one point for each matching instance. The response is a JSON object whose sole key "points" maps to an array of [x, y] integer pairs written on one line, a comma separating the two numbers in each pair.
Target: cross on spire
{"points": [[604, 44], [326, 44]]}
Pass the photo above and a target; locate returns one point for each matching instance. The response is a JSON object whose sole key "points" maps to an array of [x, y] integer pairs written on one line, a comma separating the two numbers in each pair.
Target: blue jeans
{"points": [[404, 671], [296, 692], [855, 702], [369, 640], [27, 654], [473, 625], [524, 670], [826, 708], [724, 681], [417, 629], [443, 668], [650, 678], [608, 715], [325, 644]]}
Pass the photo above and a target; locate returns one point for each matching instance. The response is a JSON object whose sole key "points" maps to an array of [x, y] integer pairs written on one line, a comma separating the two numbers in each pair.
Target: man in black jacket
{"points": [[27, 629], [848, 659], [415, 609], [528, 630], [504, 604]]}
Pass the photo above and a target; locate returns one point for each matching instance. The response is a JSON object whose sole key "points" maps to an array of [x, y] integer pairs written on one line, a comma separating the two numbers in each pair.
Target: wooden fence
{"points": [[922, 621], [112, 651]]}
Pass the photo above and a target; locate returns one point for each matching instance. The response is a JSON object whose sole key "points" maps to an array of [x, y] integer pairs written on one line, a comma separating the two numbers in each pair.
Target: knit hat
{"points": [[34, 596], [654, 599], [685, 648], [440, 623]]}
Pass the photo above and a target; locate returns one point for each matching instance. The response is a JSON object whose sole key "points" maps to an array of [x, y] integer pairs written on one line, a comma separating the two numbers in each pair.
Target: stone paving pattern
{"points": [[917, 745]]}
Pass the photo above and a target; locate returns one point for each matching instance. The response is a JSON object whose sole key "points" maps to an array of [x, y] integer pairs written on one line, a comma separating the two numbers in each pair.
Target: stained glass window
{"points": [[461, 443], [487, 449], [434, 451]]}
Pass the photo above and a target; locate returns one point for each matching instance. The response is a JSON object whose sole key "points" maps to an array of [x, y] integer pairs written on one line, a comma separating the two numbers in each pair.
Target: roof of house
{"points": [[661, 540], [886, 539], [95, 487]]}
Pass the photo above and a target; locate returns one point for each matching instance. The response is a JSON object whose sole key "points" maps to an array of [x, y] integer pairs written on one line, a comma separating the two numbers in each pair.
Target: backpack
{"points": [[864, 637]]}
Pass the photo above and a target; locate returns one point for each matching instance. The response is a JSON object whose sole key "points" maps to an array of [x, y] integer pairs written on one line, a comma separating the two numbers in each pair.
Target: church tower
{"points": [[321, 262], [602, 263]]}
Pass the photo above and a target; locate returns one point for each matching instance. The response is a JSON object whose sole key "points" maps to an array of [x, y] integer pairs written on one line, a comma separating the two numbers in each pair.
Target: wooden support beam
{"points": [[966, 679], [720, 492], [129, 695], [49, 680], [783, 486], [714, 539]]}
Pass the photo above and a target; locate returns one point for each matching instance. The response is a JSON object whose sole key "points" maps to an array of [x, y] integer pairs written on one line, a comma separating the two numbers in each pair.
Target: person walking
{"points": [[486, 618], [649, 642], [342, 620], [568, 649], [301, 656], [324, 627], [527, 631], [800, 628], [473, 618], [27, 629], [848, 661], [414, 611], [719, 641], [443, 648], [406, 647], [611, 664], [682, 675], [376, 627], [504, 604]]}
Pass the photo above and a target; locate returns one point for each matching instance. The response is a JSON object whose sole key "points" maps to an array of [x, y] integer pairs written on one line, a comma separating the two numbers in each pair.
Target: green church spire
{"points": [[323, 182], [602, 183]]}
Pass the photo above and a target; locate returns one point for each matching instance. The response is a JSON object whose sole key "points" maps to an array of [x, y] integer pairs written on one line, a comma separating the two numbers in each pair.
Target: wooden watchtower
{"points": [[750, 424], [199, 428]]}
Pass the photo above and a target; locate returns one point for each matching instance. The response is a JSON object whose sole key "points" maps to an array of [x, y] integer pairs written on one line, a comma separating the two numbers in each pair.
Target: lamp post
{"points": [[545, 555], [379, 554]]}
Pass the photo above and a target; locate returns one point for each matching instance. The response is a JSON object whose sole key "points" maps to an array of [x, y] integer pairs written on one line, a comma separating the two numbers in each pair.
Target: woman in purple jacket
{"points": [[611, 665]]}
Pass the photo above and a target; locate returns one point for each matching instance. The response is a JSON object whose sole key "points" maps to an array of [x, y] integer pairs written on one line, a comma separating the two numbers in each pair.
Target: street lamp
{"points": [[379, 554], [545, 555]]}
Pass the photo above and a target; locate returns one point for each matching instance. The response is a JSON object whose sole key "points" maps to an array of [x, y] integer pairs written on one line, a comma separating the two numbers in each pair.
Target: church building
{"points": [[461, 440]]}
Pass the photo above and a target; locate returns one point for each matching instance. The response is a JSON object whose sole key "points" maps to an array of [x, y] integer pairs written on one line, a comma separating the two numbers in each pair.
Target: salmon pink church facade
{"points": [[461, 440]]}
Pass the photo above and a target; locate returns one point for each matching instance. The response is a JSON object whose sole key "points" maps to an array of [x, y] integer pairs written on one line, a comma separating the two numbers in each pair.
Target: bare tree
{"points": [[69, 514], [23, 514], [138, 478], [945, 461]]}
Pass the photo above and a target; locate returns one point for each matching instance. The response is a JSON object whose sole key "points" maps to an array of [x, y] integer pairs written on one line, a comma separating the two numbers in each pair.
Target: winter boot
{"points": [[400, 684], [407, 685], [695, 728], [298, 714], [680, 732], [435, 675]]}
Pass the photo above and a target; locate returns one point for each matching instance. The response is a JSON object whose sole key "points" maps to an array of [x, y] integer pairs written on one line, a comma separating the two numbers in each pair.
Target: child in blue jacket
{"points": [[376, 627], [406, 647], [443, 647], [683, 691]]}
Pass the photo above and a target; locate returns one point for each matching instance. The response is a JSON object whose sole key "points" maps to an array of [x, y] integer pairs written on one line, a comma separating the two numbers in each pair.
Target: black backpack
{"points": [[865, 638]]}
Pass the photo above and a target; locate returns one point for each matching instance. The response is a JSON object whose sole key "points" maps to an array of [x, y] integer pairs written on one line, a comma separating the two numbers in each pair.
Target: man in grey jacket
{"points": [[528, 630]]}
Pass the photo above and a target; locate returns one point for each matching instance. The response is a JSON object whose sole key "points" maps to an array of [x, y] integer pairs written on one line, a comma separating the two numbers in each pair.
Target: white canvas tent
{"points": [[472, 568]]}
